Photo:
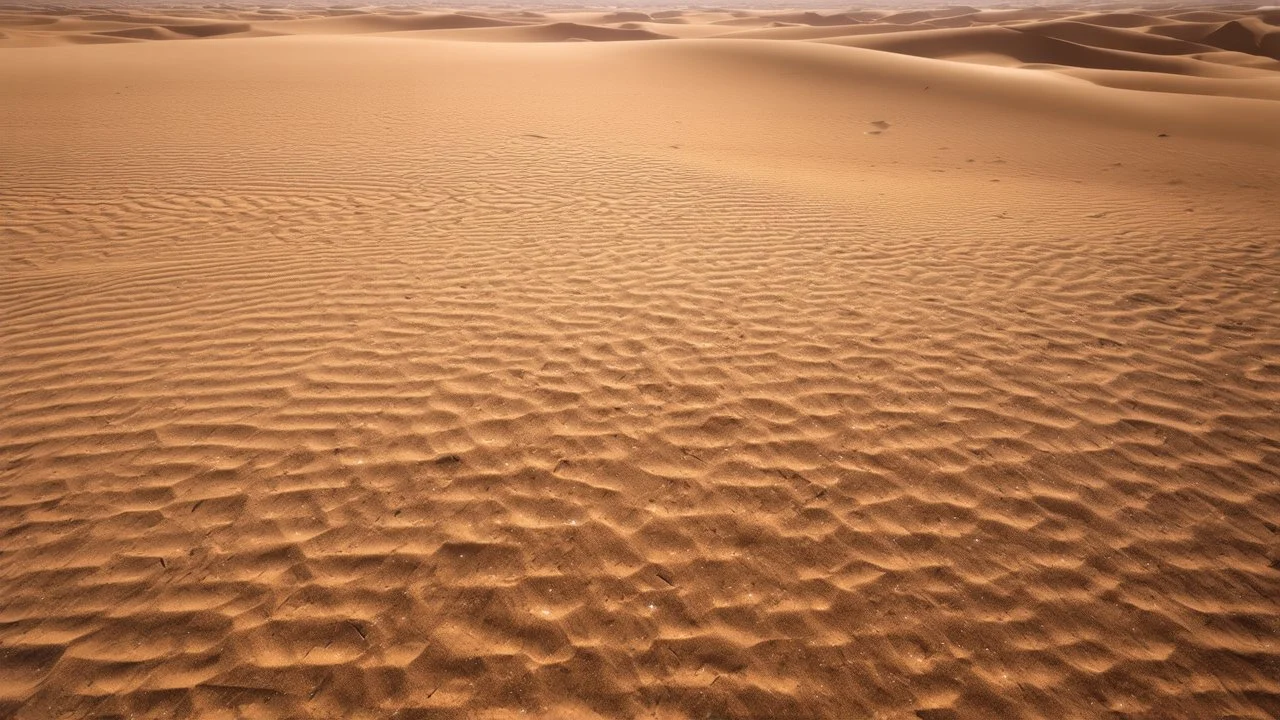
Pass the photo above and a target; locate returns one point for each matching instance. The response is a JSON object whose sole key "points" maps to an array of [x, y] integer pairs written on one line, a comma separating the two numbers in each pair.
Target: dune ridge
{"points": [[1109, 45], [777, 363]]}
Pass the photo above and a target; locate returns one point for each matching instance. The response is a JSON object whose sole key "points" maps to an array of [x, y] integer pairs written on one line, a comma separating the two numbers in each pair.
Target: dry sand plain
{"points": [[787, 364]]}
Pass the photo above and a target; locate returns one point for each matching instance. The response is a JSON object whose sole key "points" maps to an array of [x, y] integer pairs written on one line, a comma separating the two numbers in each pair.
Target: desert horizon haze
{"points": [[899, 362]]}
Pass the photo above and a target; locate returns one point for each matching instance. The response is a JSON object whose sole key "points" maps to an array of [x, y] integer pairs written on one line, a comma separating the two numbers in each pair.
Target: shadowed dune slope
{"points": [[1098, 36], [1012, 45], [377, 23], [553, 32]]}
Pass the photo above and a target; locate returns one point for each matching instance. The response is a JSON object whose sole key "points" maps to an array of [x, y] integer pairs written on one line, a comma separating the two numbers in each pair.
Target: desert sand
{"points": [[778, 363]]}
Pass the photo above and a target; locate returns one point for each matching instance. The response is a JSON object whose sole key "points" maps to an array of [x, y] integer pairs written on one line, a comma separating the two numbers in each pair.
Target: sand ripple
{"points": [[523, 412]]}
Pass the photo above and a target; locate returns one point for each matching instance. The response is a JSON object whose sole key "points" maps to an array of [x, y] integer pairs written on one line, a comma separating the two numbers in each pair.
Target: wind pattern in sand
{"points": [[413, 363]]}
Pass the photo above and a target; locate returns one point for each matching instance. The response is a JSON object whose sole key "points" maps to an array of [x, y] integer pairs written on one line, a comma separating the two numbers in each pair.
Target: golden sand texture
{"points": [[369, 363]]}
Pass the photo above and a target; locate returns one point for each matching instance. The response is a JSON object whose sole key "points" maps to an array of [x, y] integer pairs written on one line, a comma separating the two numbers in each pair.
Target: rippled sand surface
{"points": [[421, 363]]}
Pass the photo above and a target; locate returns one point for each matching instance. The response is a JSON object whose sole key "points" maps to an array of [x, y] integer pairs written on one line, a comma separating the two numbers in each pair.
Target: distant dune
{"points": [[901, 362], [1236, 45]]}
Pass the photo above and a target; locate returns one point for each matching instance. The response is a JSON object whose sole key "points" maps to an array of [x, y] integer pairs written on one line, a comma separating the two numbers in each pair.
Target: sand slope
{"points": [[371, 363]]}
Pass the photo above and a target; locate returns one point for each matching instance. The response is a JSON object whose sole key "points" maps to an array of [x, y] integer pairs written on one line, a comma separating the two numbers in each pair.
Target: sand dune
{"points": [[816, 32], [375, 22], [1098, 36], [1193, 42], [810, 363], [1249, 35], [1013, 46], [550, 32], [1261, 87]]}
